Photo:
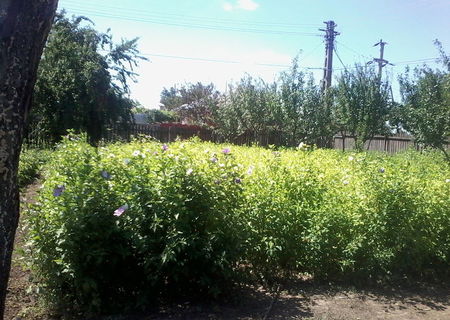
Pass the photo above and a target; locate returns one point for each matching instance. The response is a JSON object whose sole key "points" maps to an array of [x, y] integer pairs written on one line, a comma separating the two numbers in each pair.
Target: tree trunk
{"points": [[24, 26]]}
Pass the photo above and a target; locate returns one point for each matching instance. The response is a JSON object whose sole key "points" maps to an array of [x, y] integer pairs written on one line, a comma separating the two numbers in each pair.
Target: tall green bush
{"points": [[127, 224]]}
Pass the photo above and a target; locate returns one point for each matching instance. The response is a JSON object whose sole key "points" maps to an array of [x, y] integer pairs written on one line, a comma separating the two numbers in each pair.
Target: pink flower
{"points": [[105, 175], [58, 190], [164, 147], [226, 151], [119, 211]]}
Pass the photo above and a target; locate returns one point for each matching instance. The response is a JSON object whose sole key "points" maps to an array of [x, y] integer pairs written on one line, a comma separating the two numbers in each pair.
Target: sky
{"points": [[219, 41]]}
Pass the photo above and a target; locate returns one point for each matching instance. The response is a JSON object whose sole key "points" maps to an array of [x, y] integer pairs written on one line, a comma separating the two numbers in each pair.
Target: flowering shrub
{"points": [[125, 224]]}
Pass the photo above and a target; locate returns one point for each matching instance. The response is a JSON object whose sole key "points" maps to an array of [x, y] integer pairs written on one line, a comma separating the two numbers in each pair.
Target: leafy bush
{"points": [[174, 231], [126, 224], [31, 162]]}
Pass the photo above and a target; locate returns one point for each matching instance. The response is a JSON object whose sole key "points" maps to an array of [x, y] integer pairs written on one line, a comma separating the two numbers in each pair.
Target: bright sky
{"points": [[220, 40]]}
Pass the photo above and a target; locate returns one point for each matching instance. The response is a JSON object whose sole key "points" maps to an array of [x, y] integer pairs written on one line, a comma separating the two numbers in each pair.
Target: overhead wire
{"points": [[90, 6], [180, 22], [201, 59], [418, 61], [337, 55], [197, 22], [352, 50], [206, 27]]}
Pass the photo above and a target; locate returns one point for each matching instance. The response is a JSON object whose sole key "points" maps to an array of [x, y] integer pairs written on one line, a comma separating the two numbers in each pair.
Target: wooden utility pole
{"points": [[330, 35], [380, 61]]}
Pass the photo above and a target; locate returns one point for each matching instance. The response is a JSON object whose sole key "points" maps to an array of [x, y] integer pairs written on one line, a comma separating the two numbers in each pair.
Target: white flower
{"points": [[350, 158], [447, 180], [136, 153], [189, 171], [250, 170], [345, 182]]}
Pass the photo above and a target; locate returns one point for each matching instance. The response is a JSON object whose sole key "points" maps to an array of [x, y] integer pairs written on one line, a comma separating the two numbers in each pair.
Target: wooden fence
{"points": [[160, 133], [390, 144]]}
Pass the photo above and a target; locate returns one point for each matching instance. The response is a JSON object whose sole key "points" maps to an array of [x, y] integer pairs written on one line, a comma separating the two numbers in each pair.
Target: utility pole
{"points": [[380, 61], [330, 35]]}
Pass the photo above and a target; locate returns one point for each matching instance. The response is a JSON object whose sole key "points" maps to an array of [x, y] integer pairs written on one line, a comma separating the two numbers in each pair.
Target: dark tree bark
{"points": [[24, 27]]}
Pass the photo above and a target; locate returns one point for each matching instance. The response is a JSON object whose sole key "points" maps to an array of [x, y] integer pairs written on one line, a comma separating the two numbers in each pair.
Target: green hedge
{"points": [[30, 165], [126, 224]]}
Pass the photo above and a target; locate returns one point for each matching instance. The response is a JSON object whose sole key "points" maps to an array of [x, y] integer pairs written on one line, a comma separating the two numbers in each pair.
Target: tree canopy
{"points": [[83, 80], [193, 102], [363, 104], [426, 104]]}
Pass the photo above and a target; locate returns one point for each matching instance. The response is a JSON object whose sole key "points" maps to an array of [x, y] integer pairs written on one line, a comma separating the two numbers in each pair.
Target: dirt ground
{"points": [[302, 299]]}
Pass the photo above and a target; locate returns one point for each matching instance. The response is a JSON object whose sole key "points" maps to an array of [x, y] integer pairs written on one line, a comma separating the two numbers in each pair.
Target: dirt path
{"points": [[19, 299], [302, 300]]}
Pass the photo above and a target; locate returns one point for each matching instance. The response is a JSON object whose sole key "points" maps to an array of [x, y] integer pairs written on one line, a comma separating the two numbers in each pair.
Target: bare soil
{"points": [[302, 299]]}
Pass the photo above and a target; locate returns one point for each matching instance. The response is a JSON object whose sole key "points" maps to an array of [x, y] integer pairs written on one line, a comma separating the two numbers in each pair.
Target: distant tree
{"points": [[158, 116], [193, 103], [306, 111], [363, 104], [247, 107], [171, 98], [426, 109], [79, 87], [24, 26]]}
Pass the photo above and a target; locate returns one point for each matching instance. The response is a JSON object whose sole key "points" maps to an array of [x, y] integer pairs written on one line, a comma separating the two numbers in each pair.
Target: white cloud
{"points": [[227, 6], [248, 5]]}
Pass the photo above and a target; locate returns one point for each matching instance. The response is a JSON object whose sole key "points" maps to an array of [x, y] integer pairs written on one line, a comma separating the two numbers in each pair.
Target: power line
{"points": [[418, 61], [337, 55], [213, 60], [201, 59], [160, 15], [352, 50], [413, 62], [312, 51], [103, 14]]}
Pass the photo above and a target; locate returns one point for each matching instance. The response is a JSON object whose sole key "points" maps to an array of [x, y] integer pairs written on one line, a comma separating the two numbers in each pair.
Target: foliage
{"points": [[30, 165], [292, 107], [193, 103], [363, 104], [155, 115], [306, 111], [247, 107], [197, 215], [158, 116], [426, 110], [78, 86], [178, 234]]}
